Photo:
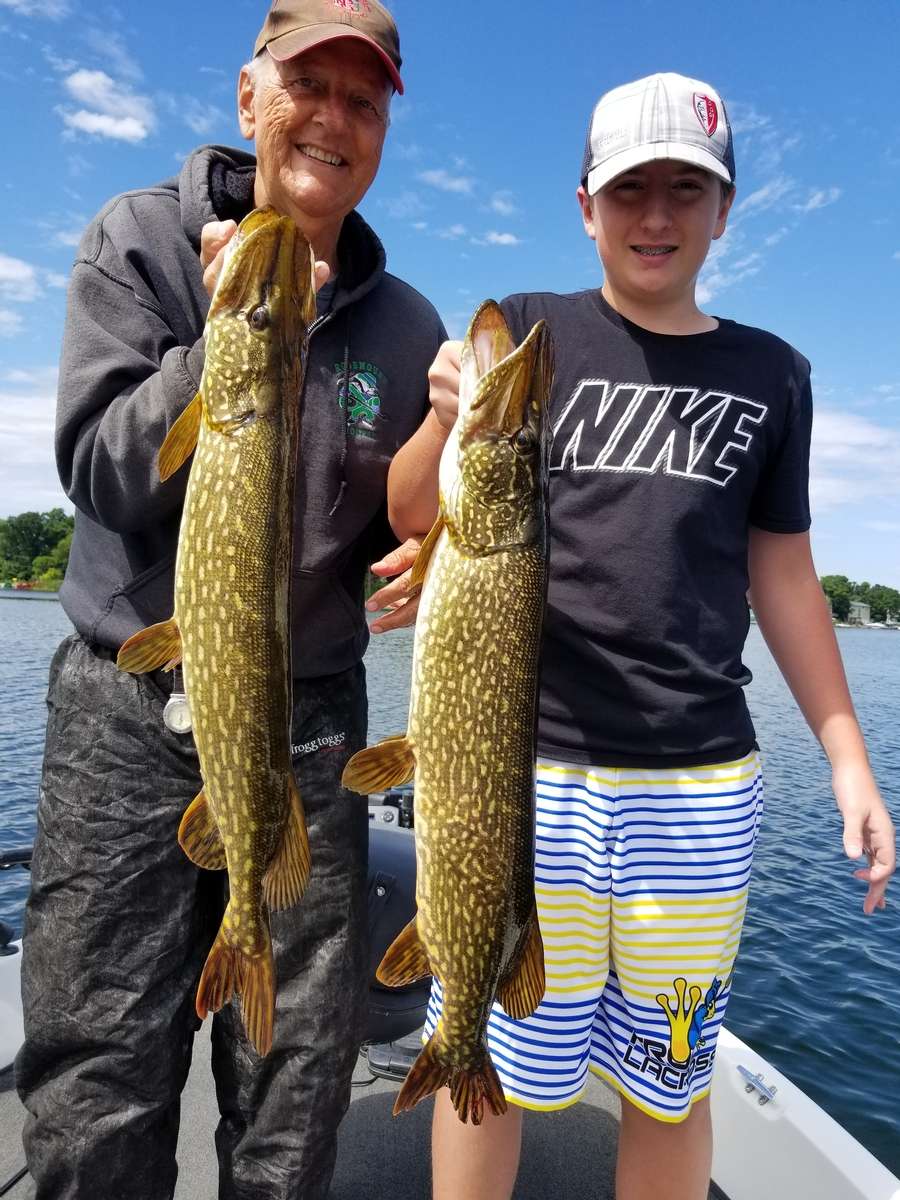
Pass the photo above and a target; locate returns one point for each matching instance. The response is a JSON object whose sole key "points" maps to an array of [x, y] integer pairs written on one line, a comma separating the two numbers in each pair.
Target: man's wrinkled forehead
{"points": [[344, 54]]}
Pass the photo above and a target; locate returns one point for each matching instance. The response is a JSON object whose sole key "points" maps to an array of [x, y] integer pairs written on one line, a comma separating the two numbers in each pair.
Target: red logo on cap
{"points": [[707, 113], [359, 7]]}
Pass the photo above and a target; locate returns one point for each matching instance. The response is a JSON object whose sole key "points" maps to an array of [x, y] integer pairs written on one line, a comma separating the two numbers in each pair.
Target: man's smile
{"points": [[325, 156]]}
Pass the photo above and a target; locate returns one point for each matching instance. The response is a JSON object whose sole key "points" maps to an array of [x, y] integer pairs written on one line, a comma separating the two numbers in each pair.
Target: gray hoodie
{"points": [[132, 360]]}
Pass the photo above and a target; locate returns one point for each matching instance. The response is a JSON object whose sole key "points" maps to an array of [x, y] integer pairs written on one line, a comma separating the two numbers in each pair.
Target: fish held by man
{"points": [[472, 719], [230, 629]]}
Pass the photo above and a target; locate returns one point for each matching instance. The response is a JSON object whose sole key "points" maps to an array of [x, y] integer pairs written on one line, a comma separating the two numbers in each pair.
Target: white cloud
{"points": [[500, 239], [852, 460], [896, 256], [767, 196], [112, 47], [420, 225], [446, 182], [10, 323], [54, 9], [407, 204], [18, 280], [774, 238], [820, 198], [454, 231], [502, 203], [112, 109], [27, 414], [202, 118], [55, 280], [883, 526]]}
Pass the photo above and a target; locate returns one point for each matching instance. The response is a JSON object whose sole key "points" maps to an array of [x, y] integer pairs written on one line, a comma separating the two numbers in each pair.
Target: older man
{"points": [[119, 921]]}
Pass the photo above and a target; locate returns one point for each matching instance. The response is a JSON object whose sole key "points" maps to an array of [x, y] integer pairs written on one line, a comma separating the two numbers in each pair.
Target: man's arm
{"points": [[413, 475], [790, 608]]}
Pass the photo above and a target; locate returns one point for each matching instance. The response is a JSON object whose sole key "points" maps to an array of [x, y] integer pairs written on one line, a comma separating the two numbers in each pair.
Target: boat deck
{"points": [[565, 1154]]}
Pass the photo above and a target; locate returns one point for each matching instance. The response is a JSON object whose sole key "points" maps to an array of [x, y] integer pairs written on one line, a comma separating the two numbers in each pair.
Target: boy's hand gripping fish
{"points": [[231, 625], [471, 737]]}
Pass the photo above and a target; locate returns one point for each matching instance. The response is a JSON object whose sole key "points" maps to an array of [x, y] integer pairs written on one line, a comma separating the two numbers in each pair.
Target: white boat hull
{"points": [[11, 1031], [786, 1147]]}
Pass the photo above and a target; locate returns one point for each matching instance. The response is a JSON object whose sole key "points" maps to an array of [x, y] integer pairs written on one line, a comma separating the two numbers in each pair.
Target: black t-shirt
{"points": [[665, 450]]}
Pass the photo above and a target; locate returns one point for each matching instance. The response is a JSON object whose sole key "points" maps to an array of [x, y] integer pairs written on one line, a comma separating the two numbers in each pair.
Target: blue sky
{"points": [[475, 197]]}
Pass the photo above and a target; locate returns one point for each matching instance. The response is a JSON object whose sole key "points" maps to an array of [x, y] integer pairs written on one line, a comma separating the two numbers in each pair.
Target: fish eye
{"points": [[259, 319], [524, 440]]}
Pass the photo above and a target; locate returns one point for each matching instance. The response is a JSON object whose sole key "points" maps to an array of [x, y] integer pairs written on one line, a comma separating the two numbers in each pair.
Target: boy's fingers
{"points": [[398, 560], [398, 617]]}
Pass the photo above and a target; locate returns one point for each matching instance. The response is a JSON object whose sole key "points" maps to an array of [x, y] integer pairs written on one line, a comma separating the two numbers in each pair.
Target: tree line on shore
{"points": [[34, 551]]}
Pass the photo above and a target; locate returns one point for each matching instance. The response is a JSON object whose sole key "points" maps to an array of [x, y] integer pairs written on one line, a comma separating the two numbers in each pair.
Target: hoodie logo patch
{"points": [[362, 401]]}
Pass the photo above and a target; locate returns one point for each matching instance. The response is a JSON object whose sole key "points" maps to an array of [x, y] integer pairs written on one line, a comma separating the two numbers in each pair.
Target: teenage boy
{"points": [[678, 482]]}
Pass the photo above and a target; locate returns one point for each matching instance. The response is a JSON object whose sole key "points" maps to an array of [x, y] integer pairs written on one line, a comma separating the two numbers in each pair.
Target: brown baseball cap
{"points": [[293, 26]]}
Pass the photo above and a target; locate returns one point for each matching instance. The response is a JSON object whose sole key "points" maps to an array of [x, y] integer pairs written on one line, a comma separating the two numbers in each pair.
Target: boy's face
{"points": [[653, 227]]}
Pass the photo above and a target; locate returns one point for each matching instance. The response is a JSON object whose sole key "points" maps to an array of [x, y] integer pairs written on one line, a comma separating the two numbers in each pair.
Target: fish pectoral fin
{"points": [[229, 970], [181, 439], [288, 874], [405, 960], [151, 648], [522, 985], [423, 558], [199, 837], [389, 764]]}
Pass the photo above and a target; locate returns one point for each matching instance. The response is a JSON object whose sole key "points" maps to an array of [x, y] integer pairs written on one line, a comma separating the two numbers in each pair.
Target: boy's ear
{"points": [[587, 213], [722, 219]]}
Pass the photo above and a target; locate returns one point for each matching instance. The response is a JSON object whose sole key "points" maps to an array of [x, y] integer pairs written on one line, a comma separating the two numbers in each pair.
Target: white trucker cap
{"points": [[662, 116]]}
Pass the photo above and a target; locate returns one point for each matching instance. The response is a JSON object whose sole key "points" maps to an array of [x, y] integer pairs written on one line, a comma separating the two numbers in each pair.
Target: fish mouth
{"points": [[267, 257], [505, 382]]}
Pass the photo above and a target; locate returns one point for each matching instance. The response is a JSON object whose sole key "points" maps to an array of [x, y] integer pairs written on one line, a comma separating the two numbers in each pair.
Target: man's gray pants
{"points": [[117, 929]]}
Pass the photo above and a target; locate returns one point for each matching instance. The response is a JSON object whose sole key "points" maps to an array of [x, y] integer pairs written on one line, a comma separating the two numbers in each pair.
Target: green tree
{"points": [[33, 537], [838, 589]]}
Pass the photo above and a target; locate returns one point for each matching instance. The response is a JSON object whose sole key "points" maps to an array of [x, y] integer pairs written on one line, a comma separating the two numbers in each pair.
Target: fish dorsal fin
{"points": [[288, 873], [389, 764], [423, 558], [521, 987], [151, 648], [181, 439], [405, 960], [199, 837]]}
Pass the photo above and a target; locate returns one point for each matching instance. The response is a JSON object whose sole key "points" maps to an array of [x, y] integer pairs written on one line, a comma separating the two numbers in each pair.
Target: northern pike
{"points": [[472, 719], [230, 628]]}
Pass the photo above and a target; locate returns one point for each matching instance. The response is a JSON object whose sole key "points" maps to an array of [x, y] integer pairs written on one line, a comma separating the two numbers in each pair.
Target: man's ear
{"points": [[722, 219], [587, 213], [246, 115]]}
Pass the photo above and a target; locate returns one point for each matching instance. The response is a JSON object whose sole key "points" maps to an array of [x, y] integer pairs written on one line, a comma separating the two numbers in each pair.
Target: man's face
{"points": [[319, 121], [653, 227]]}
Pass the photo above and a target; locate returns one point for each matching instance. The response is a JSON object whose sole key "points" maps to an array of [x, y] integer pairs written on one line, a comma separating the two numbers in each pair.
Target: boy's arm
{"points": [[790, 608], [413, 475]]}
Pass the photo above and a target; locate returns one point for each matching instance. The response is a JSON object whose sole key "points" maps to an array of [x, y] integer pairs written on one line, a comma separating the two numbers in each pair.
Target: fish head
{"points": [[494, 468], [259, 319]]}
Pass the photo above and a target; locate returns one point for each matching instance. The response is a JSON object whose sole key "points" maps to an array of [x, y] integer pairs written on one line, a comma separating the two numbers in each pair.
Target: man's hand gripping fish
{"points": [[231, 625], [472, 718]]}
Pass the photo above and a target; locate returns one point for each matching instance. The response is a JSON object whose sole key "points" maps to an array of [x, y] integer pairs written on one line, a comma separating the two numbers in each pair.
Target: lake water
{"points": [[817, 989]]}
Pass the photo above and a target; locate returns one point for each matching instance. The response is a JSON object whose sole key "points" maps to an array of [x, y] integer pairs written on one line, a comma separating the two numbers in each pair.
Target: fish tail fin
{"points": [[425, 1077], [472, 1086], [288, 874], [229, 971]]}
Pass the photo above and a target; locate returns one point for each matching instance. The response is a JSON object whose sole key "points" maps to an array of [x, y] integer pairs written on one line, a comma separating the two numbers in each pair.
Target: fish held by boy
{"points": [[231, 627], [472, 719]]}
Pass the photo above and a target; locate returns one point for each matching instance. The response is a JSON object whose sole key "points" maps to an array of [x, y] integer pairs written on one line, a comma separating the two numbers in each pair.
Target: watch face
{"points": [[177, 714]]}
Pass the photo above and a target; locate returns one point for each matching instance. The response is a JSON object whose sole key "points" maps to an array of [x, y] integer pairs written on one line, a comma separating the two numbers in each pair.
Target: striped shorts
{"points": [[641, 880]]}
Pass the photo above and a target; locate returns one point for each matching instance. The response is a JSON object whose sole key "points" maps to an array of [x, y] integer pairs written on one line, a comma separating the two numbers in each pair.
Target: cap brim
{"points": [[636, 156], [298, 40]]}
